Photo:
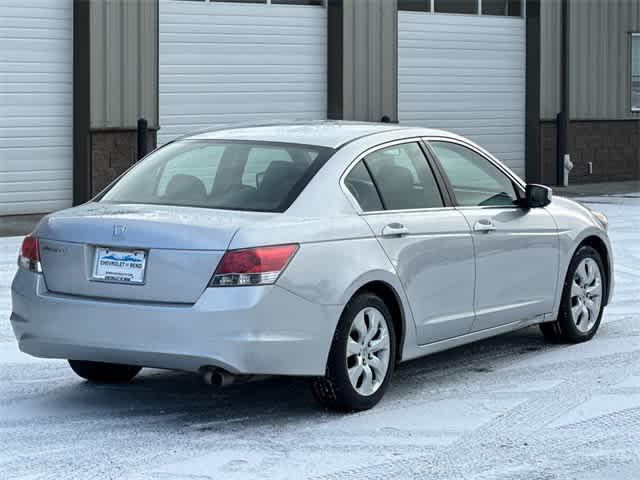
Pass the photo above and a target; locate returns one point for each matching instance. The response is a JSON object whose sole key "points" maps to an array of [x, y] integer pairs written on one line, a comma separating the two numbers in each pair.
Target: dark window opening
{"points": [[509, 8], [456, 6], [414, 5], [297, 2]]}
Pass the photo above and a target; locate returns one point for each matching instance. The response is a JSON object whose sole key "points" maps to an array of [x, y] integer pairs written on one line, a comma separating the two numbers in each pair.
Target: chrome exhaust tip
{"points": [[217, 377]]}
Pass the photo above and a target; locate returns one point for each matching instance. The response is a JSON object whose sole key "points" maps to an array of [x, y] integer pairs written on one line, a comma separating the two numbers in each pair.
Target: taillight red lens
{"points": [[253, 266], [30, 248], [29, 258]]}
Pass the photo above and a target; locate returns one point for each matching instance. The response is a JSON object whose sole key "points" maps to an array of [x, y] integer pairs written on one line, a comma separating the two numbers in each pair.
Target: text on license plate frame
{"points": [[120, 265]]}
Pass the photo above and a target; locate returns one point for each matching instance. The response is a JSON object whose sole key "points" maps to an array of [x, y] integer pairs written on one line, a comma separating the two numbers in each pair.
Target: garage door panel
{"points": [[11, 79], [196, 89], [230, 31], [478, 46], [52, 131], [37, 206], [242, 54], [289, 105], [465, 74], [184, 80], [477, 95], [417, 78], [36, 106], [16, 89], [224, 63], [38, 176], [30, 141], [25, 15], [486, 62], [302, 37], [60, 67], [33, 31], [33, 158], [311, 68], [34, 50], [39, 186]]}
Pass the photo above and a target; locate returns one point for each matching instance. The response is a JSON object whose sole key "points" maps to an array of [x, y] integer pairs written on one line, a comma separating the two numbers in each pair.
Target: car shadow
{"points": [[181, 398]]}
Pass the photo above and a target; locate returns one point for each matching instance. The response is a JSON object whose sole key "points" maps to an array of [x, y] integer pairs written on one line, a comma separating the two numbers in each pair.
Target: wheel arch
{"points": [[599, 246]]}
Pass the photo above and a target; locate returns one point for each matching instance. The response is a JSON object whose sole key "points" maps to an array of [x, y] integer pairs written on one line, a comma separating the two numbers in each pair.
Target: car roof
{"points": [[324, 133]]}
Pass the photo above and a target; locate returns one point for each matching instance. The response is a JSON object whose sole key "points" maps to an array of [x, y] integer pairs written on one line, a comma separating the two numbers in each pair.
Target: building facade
{"points": [[75, 77]]}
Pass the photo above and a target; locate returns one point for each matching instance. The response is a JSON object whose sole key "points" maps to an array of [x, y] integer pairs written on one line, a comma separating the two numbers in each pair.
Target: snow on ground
{"points": [[509, 407]]}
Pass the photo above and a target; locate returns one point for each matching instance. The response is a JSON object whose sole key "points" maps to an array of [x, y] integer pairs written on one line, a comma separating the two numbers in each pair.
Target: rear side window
{"points": [[361, 186], [234, 175], [403, 178]]}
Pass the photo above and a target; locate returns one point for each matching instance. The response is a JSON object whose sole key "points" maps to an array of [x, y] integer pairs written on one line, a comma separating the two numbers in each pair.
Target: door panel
{"points": [[516, 263], [516, 249], [430, 245], [434, 260]]}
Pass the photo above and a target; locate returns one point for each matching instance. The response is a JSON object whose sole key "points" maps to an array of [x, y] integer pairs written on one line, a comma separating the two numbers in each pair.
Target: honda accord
{"points": [[331, 250]]}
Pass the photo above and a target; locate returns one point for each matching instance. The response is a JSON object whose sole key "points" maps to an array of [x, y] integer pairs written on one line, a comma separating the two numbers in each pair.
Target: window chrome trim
{"points": [[369, 151]]}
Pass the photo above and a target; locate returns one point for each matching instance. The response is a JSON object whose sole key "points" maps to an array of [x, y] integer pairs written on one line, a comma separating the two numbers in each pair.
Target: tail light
{"points": [[29, 258], [252, 266]]}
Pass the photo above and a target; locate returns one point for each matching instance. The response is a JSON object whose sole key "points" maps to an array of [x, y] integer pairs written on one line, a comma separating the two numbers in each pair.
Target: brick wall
{"points": [[612, 147], [112, 152]]}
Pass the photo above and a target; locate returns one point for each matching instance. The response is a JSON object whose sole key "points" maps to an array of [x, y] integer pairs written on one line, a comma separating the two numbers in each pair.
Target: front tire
{"points": [[104, 372], [361, 359], [582, 301]]}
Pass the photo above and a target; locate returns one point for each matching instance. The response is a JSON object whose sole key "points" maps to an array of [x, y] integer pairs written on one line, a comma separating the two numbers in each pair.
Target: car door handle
{"points": [[395, 230], [484, 225]]}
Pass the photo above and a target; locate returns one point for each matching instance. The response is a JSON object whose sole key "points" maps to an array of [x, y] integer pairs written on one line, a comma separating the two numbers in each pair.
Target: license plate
{"points": [[125, 266]]}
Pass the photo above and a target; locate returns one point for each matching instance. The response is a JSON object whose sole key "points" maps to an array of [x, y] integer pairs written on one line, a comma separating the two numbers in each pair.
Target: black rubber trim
{"points": [[441, 175], [441, 181]]}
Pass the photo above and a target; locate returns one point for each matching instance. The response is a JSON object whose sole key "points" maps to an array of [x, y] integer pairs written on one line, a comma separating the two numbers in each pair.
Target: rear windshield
{"points": [[232, 175]]}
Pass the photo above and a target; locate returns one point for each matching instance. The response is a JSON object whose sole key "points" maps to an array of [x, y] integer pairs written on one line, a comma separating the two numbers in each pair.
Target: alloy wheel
{"points": [[368, 351], [586, 295]]}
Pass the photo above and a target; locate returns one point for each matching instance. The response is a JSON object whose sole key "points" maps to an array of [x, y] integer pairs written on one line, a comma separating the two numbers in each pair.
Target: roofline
{"points": [[370, 134], [229, 126], [392, 127]]}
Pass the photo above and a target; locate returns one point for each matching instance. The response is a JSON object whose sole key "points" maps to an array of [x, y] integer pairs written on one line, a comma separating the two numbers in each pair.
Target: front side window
{"points": [[403, 178], [474, 179], [233, 175], [635, 72]]}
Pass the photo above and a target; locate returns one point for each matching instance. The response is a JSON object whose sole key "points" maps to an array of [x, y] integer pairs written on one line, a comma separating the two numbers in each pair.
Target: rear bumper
{"points": [[244, 330]]}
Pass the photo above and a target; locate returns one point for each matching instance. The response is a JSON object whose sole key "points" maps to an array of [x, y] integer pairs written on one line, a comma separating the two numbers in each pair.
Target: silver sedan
{"points": [[331, 250]]}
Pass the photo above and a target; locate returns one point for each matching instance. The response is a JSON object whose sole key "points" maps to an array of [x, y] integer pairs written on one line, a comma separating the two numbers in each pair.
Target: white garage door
{"points": [[35, 106], [465, 74], [229, 63]]}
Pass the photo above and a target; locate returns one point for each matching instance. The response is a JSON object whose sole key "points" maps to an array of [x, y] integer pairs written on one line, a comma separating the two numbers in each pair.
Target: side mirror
{"points": [[537, 196]]}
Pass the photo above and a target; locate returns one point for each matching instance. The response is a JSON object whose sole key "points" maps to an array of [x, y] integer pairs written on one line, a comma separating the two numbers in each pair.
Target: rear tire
{"points": [[104, 372], [582, 300], [361, 359]]}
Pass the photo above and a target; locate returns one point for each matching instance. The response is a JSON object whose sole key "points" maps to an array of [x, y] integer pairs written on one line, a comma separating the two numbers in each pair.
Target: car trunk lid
{"points": [[175, 249]]}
